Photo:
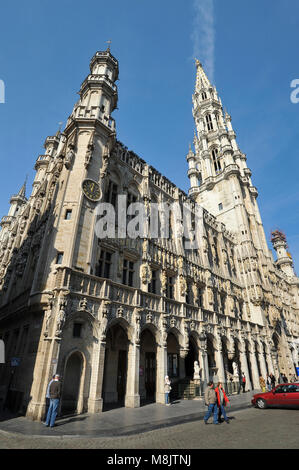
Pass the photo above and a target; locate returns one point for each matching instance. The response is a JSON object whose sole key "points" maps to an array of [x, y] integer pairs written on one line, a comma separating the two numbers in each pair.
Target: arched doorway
{"points": [[278, 355], [211, 358], [173, 354], [71, 383], [116, 364], [190, 358], [265, 357], [257, 356], [248, 362], [227, 360], [148, 366]]}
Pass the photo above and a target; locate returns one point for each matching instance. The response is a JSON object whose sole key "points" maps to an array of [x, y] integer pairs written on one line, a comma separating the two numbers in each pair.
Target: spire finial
{"points": [[22, 191], [109, 44]]}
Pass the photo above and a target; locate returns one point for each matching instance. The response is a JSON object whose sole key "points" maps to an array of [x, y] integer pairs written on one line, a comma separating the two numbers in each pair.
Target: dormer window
{"points": [[209, 122], [216, 160]]}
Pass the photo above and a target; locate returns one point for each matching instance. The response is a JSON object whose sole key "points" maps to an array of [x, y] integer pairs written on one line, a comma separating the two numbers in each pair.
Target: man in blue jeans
{"points": [[54, 392], [211, 402]]}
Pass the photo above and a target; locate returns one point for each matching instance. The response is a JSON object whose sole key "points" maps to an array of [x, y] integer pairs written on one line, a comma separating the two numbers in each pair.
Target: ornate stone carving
{"points": [[145, 273]]}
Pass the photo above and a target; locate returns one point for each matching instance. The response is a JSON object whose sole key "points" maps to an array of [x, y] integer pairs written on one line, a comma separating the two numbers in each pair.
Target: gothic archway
{"points": [[72, 384], [248, 361], [116, 365], [173, 356], [211, 357], [190, 358], [148, 366]]}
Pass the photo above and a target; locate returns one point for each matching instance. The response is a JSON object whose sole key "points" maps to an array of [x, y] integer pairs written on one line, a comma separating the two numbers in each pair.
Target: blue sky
{"points": [[250, 49]]}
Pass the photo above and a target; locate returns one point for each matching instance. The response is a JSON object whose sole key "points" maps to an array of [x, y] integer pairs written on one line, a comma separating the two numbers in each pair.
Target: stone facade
{"points": [[113, 316]]}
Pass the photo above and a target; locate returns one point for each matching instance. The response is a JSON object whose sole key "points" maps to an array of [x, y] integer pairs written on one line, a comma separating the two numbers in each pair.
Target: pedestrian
{"points": [[167, 389], [222, 401], [268, 382], [54, 392], [48, 397], [284, 378], [243, 381], [211, 403], [272, 380], [262, 384]]}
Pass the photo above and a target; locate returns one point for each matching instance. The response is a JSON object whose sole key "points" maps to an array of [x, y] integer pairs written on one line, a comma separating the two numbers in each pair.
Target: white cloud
{"points": [[203, 35]]}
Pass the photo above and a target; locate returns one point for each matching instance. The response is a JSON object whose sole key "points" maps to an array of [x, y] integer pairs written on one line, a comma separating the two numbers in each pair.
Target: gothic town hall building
{"points": [[114, 315]]}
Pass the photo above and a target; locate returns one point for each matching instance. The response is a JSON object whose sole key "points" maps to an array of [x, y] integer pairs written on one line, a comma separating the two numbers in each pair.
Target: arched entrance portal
{"points": [[213, 370], [173, 354], [116, 364], [71, 384], [148, 366], [190, 358]]}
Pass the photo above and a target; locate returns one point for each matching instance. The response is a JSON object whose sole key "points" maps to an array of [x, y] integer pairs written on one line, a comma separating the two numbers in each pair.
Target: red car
{"points": [[282, 396]]}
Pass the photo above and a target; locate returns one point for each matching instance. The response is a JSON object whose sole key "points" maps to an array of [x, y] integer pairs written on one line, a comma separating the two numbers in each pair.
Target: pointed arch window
{"points": [[204, 96], [209, 122], [216, 160]]}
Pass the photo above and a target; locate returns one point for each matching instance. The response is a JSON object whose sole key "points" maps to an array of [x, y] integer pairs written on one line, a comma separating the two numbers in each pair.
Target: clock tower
{"points": [[80, 155]]}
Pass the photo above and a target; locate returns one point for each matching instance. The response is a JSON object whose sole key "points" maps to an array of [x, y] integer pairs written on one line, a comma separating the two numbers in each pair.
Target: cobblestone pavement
{"points": [[248, 429]]}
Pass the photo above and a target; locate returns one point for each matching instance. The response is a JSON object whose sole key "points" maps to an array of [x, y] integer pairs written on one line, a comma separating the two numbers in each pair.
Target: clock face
{"points": [[91, 189]]}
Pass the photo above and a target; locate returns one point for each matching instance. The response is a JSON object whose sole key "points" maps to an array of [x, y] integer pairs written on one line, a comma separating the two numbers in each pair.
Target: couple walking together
{"points": [[216, 400]]}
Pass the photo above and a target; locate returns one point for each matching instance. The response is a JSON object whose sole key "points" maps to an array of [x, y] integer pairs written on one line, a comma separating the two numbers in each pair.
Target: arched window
{"points": [[216, 160], [204, 95], [209, 122]]}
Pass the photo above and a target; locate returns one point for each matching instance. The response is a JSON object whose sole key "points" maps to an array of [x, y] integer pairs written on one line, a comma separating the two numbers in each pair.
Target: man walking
{"points": [[211, 402], [284, 378], [54, 392], [243, 381], [48, 397], [269, 385]]}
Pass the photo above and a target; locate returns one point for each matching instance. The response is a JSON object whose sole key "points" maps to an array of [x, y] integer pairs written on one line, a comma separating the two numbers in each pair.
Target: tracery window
{"points": [[209, 122], [216, 160]]}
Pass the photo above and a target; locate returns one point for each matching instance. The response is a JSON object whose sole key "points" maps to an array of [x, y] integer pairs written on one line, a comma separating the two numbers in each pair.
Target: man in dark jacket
{"points": [[54, 392]]}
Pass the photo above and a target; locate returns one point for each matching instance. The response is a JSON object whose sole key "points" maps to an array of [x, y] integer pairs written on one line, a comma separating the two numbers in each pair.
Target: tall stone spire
{"points": [[202, 81], [219, 177]]}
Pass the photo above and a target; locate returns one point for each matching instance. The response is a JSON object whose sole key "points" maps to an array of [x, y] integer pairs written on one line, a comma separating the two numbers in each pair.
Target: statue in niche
{"points": [[196, 375], [60, 321], [235, 371], [69, 158]]}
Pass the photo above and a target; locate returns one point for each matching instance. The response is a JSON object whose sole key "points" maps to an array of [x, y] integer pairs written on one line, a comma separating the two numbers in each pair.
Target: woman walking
{"points": [[167, 388], [222, 401]]}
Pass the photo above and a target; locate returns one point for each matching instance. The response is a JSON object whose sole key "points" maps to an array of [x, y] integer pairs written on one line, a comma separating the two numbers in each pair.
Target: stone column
{"points": [[203, 361], [43, 372], [132, 398], [270, 363], [182, 357], [219, 363], [274, 356], [263, 365], [161, 372], [95, 402], [244, 366], [254, 370]]}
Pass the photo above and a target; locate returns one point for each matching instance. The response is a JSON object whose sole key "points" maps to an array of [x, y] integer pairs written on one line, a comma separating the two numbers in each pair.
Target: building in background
{"points": [[113, 316]]}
